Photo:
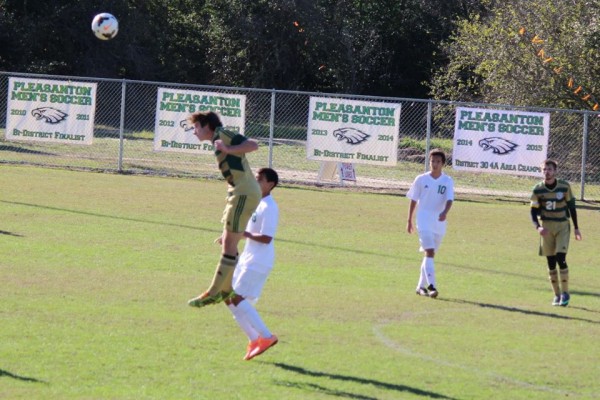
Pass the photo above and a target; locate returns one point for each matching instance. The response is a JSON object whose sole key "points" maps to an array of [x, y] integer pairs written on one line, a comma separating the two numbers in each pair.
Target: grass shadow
{"points": [[216, 231], [580, 293], [9, 233], [4, 373], [18, 149], [520, 310], [347, 378]]}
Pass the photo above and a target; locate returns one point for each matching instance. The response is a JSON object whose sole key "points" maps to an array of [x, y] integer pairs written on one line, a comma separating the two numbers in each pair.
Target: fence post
{"points": [[271, 128], [428, 135], [584, 153], [122, 126]]}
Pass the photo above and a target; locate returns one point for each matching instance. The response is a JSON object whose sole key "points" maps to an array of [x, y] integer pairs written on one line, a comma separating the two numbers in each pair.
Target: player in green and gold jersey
{"points": [[243, 196], [552, 204]]}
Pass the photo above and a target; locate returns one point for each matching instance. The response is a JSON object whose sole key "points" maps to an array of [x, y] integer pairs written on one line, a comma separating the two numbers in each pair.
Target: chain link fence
{"points": [[125, 114]]}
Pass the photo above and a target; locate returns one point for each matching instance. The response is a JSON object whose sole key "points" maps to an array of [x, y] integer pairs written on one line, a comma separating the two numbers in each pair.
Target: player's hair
{"points": [[210, 118], [550, 162], [438, 152], [270, 175]]}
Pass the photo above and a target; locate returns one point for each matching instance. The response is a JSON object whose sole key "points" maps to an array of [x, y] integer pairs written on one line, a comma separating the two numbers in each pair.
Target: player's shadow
{"points": [[581, 293], [17, 149], [346, 378], [7, 374], [9, 233], [197, 228], [520, 310]]}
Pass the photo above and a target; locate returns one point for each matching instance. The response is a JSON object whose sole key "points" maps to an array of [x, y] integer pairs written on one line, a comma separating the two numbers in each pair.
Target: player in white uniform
{"points": [[254, 265], [432, 194]]}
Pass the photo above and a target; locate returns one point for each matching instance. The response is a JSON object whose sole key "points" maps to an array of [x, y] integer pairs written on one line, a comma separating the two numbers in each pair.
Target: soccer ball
{"points": [[105, 26]]}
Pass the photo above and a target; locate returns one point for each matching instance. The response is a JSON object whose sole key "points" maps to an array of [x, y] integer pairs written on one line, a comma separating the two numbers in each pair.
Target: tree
{"points": [[490, 60], [154, 41]]}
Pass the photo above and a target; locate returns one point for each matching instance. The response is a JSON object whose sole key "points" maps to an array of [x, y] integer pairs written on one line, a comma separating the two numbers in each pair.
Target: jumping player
{"points": [[243, 196]]}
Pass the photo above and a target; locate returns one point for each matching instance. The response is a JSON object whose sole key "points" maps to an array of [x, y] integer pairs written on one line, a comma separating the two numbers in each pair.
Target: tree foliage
{"points": [[491, 61], [381, 47]]}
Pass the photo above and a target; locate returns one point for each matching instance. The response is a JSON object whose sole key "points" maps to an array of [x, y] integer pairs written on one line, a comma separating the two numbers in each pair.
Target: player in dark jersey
{"points": [[552, 204], [243, 196]]}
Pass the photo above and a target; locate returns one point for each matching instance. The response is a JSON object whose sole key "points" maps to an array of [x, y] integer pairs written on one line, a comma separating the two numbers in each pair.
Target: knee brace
{"points": [[561, 258], [551, 262]]}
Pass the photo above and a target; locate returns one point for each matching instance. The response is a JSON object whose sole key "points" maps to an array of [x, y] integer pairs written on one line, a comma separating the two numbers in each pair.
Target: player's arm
{"points": [[535, 212], [259, 237], [411, 211], [444, 213], [239, 145], [573, 213]]}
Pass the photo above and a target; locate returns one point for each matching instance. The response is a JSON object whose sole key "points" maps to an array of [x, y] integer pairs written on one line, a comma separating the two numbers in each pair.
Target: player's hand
{"points": [[409, 227], [543, 231], [577, 234], [442, 216], [220, 146], [219, 240]]}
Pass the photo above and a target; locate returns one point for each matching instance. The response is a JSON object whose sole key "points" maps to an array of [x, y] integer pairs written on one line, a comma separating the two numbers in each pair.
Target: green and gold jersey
{"points": [[235, 168], [553, 204]]}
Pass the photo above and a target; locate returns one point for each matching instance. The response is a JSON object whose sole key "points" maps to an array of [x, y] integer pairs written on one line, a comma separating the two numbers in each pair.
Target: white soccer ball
{"points": [[105, 26]]}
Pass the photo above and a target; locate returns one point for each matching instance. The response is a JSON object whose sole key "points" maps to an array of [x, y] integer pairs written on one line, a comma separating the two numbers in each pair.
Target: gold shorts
{"points": [[557, 239], [238, 210]]}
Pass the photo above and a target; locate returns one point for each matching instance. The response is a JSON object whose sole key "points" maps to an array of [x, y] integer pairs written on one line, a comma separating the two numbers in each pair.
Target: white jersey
{"points": [[431, 196], [260, 256]]}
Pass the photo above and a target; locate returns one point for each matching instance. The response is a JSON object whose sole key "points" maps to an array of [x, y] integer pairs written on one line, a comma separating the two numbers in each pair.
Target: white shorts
{"points": [[249, 283], [430, 240]]}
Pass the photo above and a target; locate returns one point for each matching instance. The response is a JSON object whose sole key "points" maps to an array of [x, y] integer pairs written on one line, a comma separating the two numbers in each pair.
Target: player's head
{"points": [[438, 153], [437, 159], [267, 179], [550, 162], [203, 120], [204, 124], [549, 168]]}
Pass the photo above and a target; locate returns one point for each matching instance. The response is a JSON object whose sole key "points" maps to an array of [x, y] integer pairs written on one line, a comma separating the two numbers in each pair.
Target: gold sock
{"points": [[553, 276], [223, 275], [564, 280]]}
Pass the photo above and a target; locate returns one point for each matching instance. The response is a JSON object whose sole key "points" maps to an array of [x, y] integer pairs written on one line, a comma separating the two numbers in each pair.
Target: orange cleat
{"points": [[251, 346], [262, 345]]}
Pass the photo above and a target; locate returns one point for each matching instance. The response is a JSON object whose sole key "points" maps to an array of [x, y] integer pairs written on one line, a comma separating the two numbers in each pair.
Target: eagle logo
{"points": [[351, 135], [498, 145], [185, 125], [49, 115]]}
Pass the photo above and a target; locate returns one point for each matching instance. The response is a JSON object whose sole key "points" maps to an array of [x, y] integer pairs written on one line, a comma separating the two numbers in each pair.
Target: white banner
{"points": [[353, 131], [173, 132], [500, 141], [44, 110]]}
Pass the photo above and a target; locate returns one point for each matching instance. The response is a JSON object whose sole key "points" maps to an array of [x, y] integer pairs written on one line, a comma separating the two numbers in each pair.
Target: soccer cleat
{"points": [[421, 291], [433, 293], [564, 299], [206, 299], [251, 345], [556, 301], [262, 345], [227, 296]]}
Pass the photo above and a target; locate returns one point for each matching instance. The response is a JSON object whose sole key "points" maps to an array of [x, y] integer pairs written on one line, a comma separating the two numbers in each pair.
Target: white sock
{"points": [[430, 271], [422, 279], [243, 322], [255, 320]]}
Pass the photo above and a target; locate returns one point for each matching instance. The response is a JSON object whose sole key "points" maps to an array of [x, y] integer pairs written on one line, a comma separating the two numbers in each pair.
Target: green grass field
{"points": [[96, 269]]}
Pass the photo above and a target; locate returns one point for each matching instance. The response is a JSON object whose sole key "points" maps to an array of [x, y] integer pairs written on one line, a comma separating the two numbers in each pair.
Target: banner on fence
{"points": [[500, 141], [54, 111], [173, 132], [352, 131]]}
